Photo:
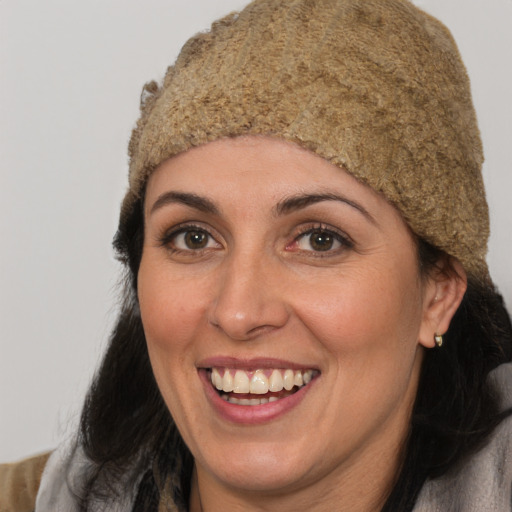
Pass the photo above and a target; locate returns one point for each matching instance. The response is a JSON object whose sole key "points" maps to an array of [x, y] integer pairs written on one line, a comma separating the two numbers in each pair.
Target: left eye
{"points": [[319, 240], [193, 240]]}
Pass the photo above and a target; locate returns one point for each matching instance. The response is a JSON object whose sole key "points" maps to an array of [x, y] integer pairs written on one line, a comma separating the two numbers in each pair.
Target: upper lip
{"points": [[252, 363]]}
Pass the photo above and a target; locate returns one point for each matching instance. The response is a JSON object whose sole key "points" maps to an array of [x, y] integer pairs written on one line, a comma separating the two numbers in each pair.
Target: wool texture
{"points": [[376, 87]]}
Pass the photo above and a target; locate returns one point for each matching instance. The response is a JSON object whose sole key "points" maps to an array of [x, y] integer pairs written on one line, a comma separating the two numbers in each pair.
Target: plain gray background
{"points": [[71, 73]]}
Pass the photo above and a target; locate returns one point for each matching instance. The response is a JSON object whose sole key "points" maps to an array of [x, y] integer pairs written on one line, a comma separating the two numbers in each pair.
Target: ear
{"points": [[443, 293]]}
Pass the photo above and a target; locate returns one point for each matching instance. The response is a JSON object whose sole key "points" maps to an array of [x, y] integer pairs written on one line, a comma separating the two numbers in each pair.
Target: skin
{"points": [[358, 311]]}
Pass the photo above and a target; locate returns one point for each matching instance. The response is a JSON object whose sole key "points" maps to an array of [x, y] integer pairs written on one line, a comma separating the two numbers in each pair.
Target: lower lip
{"points": [[252, 414]]}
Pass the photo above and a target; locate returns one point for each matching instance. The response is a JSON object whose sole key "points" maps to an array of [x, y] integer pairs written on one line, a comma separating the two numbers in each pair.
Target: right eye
{"points": [[189, 239]]}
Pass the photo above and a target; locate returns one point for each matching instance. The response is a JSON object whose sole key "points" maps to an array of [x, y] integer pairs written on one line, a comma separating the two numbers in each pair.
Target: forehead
{"points": [[254, 168]]}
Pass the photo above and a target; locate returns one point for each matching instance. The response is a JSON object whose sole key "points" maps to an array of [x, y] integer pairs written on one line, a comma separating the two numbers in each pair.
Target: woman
{"points": [[309, 320]]}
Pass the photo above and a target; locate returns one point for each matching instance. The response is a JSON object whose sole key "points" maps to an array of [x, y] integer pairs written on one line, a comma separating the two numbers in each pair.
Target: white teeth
{"points": [[241, 382], [288, 380], [259, 383], [227, 382], [276, 381], [216, 379]]}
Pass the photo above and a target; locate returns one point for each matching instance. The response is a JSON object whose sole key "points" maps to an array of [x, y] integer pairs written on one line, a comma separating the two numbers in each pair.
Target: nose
{"points": [[250, 298]]}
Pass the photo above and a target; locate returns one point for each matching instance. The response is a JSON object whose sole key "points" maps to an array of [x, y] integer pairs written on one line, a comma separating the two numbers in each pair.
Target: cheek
{"points": [[172, 312], [369, 328], [371, 312], [171, 309]]}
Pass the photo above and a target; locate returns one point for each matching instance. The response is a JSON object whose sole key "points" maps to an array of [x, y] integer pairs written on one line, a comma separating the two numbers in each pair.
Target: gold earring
{"points": [[438, 338]]}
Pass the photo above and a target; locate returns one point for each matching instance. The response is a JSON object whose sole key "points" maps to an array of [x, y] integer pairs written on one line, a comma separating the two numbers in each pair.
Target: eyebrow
{"points": [[301, 201], [288, 205], [199, 203]]}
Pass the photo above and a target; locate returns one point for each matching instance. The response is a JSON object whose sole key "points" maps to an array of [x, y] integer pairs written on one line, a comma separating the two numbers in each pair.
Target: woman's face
{"points": [[267, 267]]}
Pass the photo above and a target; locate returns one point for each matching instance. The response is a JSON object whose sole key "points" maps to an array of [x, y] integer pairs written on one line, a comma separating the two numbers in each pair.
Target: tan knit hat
{"points": [[376, 87]]}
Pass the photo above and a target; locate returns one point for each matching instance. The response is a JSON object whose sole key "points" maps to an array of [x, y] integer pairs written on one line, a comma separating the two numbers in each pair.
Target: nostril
{"points": [[247, 305], [262, 329]]}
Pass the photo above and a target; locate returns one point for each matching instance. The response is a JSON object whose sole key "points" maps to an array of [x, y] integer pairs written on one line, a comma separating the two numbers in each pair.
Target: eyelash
{"points": [[166, 240], [344, 241]]}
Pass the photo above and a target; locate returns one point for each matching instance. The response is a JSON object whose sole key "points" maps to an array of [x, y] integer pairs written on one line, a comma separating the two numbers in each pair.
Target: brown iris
{"points": [[321, 240], [196, 239]]}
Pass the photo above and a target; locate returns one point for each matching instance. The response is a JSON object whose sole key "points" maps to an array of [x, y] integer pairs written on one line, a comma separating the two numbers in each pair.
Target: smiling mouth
{"points": [[260, 386]]}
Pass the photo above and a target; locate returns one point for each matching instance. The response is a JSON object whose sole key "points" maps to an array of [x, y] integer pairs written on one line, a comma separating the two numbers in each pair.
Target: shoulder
{"points": [[484, 482], [19, 483]]}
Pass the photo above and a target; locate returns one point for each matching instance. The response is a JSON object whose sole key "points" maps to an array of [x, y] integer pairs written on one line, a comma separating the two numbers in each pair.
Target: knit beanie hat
{"points": [[376, 87]]}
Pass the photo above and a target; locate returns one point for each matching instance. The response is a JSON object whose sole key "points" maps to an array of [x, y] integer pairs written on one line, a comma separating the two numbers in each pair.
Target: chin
{"points": [[259, 469]]}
